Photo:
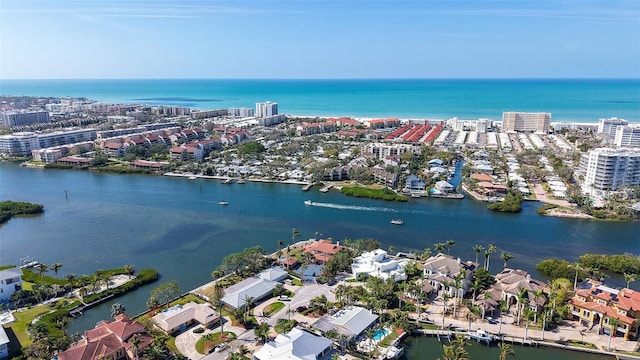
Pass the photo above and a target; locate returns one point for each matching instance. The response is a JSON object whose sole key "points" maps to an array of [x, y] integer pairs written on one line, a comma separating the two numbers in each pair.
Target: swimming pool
{"points": [[380, 334]]}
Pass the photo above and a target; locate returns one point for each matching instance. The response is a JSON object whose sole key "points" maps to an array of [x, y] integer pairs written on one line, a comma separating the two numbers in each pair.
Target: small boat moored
{"points": [[480, 335], [397, 222]]}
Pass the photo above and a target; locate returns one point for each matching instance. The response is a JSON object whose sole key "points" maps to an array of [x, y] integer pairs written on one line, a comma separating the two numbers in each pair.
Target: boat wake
{"points": [[352, 207]]}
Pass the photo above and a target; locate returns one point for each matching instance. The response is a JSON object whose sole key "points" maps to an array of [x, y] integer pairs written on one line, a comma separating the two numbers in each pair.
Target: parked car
{"points": [[491, 320], [222, 347], [284, 298], [301, 308]]}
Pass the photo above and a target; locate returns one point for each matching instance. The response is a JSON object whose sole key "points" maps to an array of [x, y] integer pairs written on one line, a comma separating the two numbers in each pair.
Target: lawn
{"points": [[273, 308], [23, 319], [212, 340]]}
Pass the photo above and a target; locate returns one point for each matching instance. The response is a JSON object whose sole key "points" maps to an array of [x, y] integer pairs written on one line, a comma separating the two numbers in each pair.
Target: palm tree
{"points": [[445, 297], [56, 267], [527, 312], [578, 267], [505, 350], [117, 309], [280, 245], [294, 234], [41, 269], [545, 318], [216, 296], [129, 269], [477, 249], [490, 250], [71, 279], [613, 323], [506, 256], [439, 247], [449, 244], [523, 296], [629, 278], [135, 341], [426, 253]]}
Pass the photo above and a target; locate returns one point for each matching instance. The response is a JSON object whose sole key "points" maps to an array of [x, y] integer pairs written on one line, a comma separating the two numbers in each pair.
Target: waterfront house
{"points": [[435, 162], [110, 340], [10, 282], [414, 184], [377, 263], [179, 317], [350, 321], [510, 283], [594, 305], [4, 344], [297, 344], [322, 250], [257, 287], [441, 271], [443, 187]]}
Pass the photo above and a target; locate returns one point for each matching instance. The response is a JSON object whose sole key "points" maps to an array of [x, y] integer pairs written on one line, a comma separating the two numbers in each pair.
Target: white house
{"points": [[350, 321], [298, 344], [10, 282], [377, 263], [178, 318]]}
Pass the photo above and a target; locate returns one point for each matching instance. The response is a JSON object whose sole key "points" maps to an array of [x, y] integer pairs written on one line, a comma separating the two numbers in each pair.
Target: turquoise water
{"points": [[380, 334], [566, 100]]}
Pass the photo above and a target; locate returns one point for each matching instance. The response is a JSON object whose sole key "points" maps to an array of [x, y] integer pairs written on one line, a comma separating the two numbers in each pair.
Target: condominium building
{"points": [[24, 117], [626, 136], [609, 169], [522, 121], [19, 144], [196, 115], [607, 127], [382, 150], [242, 112], [266, 109]]}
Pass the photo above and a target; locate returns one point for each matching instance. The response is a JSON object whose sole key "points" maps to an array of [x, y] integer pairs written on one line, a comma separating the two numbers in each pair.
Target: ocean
{"points": [[578, 100]]}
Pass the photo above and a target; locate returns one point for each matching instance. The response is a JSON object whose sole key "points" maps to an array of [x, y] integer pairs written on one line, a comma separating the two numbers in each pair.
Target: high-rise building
{"points": [[607, 127], [24, 117], [610, 169], [522, 121], [626, 136], [266, 109], [19, 144]]}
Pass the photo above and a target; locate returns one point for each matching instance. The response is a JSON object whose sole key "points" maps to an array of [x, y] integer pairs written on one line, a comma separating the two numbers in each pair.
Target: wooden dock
{"points": [[307, 187]]}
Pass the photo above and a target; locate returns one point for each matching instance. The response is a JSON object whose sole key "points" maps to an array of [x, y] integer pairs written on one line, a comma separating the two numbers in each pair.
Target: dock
{"points": [[307, 187], [326, 188]]}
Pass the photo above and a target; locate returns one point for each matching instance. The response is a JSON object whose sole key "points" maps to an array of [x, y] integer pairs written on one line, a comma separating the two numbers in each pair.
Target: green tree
{"points": [[505, 350], [450, 244], [166, 292], [41, 269], [216, 297], [117, 309], [56, 267], [262, 331], [477, 249], [506, 256], [629, 278]]}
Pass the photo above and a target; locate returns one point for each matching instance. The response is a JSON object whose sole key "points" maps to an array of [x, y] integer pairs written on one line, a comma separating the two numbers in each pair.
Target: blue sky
{"points": [[319, 39]]}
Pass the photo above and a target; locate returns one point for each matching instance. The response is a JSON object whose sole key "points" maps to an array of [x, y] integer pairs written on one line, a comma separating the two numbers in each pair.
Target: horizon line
{"points": [[334, 79]]}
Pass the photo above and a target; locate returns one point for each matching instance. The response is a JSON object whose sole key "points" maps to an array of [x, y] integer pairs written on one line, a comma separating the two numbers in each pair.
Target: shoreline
{"points": [[215, 177]]}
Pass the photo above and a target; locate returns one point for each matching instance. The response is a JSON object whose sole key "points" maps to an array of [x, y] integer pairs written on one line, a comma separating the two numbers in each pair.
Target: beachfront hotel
{"points": [[266, 109], [627, 136], [609, 169], [523, 121]]}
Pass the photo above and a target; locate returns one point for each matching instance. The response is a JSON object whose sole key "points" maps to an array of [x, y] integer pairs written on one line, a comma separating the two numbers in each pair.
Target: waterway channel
{"points": [[177, 227]]}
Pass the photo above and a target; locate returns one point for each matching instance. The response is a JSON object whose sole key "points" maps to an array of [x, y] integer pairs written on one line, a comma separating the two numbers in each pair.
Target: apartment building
{"points": [[607, 127], [626, 136], [24, 117], [608, 169], [526, 122], [266, 109]]}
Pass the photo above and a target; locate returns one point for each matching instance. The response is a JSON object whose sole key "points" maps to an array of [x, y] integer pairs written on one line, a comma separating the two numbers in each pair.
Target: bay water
{"points": [[176, 226]]}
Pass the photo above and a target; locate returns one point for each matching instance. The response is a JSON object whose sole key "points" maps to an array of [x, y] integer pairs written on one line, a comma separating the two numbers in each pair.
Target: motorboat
{"points": [[307, 202], [397, 222], [223, 203], [480, 335]]}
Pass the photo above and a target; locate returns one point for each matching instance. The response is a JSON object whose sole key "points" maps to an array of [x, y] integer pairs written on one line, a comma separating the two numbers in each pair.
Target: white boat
{"points": [[307, 202], [397, 222], [394, 352], [223, 203], [241, 181], [480, 335], [192, 177]]}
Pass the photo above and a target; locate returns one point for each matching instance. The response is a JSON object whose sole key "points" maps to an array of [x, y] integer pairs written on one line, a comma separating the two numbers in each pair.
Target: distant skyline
{"points": [[319, 39]]}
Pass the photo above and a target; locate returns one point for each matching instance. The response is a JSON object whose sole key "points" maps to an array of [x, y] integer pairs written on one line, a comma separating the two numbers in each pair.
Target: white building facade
{"points": [[609, 169], [10, 282], [523, 121], [266, 109]]}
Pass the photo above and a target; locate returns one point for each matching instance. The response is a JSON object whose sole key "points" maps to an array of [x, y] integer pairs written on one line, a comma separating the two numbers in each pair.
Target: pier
{"points": [[326, 188], [307, 187]]}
